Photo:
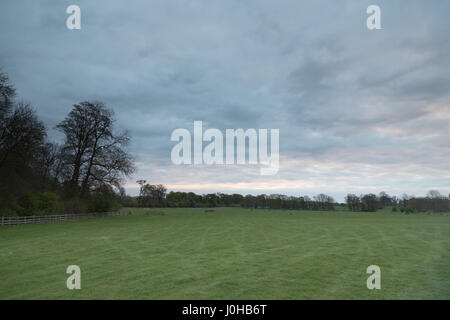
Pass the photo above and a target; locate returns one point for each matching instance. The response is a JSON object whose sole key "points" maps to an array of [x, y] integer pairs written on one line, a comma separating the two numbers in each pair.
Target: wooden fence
{"points": [[6, 221]]}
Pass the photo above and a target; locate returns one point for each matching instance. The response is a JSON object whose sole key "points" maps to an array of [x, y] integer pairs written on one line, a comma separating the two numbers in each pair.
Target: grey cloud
{"points": [[337, 92]]}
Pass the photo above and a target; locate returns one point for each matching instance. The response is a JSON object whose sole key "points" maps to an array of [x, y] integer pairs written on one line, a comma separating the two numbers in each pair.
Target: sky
{"points": [[358, 110]]}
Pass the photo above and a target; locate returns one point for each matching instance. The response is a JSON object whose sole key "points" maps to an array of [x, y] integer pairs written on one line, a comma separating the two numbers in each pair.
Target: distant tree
{"points": [[324, 202], [369, 202], [237, 199], [275, 201], [249, 201], [141, 184], [405, 198], [152, 195], [384, 199], [353, 202], [434, 194], [308, 202], [211, 199]]}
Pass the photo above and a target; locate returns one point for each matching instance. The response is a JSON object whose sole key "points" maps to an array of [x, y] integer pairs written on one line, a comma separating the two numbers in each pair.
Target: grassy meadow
{"points": [[230, 254]]}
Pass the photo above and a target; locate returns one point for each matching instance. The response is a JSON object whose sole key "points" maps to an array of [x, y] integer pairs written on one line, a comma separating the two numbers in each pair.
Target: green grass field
{"points": [[230, 254]]}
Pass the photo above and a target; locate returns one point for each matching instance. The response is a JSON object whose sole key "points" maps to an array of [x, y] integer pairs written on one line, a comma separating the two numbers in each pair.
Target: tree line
{"points": [[82, 174], [157, 196], [434, 201]]}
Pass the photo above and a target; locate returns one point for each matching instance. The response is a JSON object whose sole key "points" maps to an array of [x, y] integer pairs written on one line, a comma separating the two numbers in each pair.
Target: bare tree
{"points": [[95, 154]]}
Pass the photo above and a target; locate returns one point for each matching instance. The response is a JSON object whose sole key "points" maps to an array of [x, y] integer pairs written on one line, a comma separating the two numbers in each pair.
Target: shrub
{"points": [[102, 203], [29, 204], [409, 210], [394, 209], [75, 205], [9, 206], [129, 202], [49, 203]]}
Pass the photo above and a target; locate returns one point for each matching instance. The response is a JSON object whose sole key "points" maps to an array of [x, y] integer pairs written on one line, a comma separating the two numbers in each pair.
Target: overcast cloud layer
{"points": [[358, 110]]}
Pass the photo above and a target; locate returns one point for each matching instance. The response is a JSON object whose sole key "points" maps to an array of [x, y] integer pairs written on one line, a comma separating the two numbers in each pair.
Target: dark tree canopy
{"points": [[22, 137]]}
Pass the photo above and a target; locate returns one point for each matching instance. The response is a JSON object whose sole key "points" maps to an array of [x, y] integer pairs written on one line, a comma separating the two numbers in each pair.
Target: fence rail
{"points": [[6, 221]]}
